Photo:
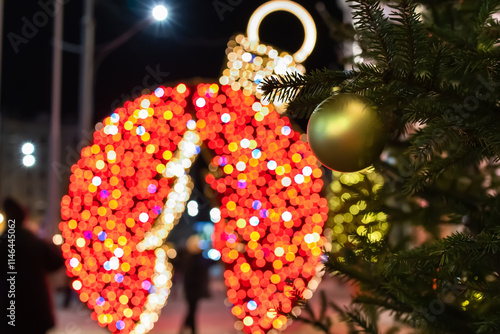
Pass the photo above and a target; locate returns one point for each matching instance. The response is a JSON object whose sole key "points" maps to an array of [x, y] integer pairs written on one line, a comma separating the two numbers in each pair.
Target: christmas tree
{"points": [[431, 72]]}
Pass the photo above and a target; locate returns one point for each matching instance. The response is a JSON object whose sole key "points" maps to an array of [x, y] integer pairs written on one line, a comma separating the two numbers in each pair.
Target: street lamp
{"points": [[28, 148], [28, 159], [160, 12]]}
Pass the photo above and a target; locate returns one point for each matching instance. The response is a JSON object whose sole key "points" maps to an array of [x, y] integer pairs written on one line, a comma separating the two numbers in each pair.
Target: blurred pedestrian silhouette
{"points": [[24, 288], [196, 281]]}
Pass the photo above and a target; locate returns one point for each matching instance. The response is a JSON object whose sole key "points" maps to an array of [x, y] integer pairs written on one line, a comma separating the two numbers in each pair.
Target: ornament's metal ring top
{"points": [[288, 6]]}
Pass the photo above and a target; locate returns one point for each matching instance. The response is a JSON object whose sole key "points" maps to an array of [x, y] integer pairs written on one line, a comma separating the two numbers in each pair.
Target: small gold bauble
{"points": [[345, 133]]}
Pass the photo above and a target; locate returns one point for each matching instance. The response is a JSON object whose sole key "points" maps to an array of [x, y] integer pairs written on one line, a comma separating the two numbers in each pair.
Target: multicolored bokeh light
{"points": [[131, 185], [272, 215], [351, 199]]}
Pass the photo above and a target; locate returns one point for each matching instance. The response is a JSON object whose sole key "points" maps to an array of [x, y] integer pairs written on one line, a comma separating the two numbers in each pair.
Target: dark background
{"points": [[190, 44]]}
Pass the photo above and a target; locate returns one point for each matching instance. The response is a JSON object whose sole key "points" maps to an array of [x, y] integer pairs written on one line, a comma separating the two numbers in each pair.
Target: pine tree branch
{"points": [[348, 271], [409, 37], [384, 303], [459, 250], [305, 91], [286, 87], [283, 87], [426, 76], [359, 318], [375, 31], [486, 10]]}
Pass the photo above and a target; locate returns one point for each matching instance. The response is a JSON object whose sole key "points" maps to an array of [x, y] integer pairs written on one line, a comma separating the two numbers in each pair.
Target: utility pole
{"points": [[1, 53], [1, 44], [54, 198], [86, 95]]}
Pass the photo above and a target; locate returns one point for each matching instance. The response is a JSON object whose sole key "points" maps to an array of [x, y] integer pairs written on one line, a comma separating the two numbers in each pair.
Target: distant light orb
{"points": [[57, 239], [77, 285], [28, 160], [214, 254], [28, 148], [160, 13], [215, 215], [74, 262], [252, 305], [201, 102], [192, 207]]}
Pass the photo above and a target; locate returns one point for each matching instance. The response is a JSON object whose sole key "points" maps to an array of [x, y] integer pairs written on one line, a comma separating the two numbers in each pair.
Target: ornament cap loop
{"points": [[291, 7]]}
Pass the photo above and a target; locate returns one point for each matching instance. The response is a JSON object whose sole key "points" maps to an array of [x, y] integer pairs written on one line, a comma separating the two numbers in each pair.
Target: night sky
{"points": [[191, 44]]}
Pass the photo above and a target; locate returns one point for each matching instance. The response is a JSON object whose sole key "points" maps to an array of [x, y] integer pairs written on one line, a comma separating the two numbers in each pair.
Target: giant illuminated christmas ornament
{"points": [[131, 185]]}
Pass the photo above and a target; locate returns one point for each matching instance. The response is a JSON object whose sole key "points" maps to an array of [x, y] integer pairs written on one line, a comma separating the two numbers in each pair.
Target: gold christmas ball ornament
{"points": [[345, 133]]}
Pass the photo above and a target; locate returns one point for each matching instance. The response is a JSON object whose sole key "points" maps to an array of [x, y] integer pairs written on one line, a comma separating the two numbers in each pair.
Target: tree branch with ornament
{"points": [[421, 112]]}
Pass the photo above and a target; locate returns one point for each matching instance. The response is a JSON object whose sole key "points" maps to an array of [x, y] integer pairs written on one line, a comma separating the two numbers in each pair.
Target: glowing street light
{"points": [[28, 148], [28, 160], [160, 12]]}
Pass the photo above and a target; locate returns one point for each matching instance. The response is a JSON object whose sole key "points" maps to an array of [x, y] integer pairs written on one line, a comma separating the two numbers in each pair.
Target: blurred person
{"points": [[24, 287], [196, 279]]}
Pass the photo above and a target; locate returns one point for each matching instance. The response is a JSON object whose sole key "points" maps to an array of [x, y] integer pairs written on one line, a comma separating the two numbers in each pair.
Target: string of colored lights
{"points": [[181, 190], [272, 215], [270, 181], [158, 295], [171, 213], [249, 62], [114, 198]]}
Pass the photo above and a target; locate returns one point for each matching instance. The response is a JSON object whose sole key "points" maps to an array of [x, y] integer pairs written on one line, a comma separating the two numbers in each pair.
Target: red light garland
{"points": [[272, 213]]}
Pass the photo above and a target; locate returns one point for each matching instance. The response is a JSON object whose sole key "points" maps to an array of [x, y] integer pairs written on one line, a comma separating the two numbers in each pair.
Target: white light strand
{"points": [[175, 205], [178, 167], [162, 282]]}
